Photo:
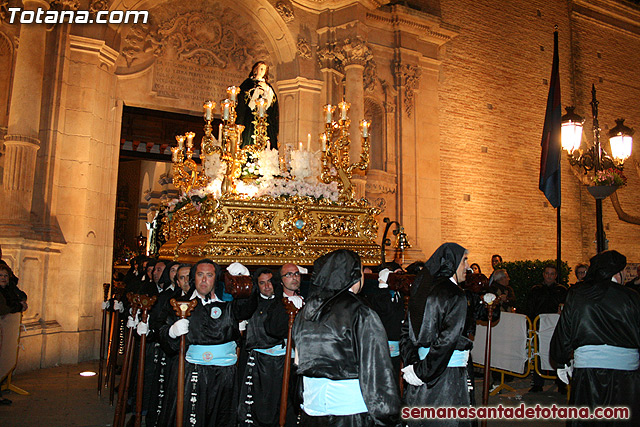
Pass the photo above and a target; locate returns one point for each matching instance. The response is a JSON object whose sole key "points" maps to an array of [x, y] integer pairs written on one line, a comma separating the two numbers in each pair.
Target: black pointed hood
{"points": [[333, 274]]}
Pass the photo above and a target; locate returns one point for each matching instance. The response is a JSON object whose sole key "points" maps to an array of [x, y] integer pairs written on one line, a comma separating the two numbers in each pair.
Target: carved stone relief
{"points": [[304, 49], [353, 51], [216, 37], [285, 10], [4, 9], [98, 5], [408, 76]]}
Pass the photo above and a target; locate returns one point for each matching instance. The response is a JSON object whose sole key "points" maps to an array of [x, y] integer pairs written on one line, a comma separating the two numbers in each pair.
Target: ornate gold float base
{"points": [[267, 231]]}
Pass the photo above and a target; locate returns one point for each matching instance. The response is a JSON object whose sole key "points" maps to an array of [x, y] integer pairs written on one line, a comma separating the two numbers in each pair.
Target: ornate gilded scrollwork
{"points": [[251, 222], [297, 224]]}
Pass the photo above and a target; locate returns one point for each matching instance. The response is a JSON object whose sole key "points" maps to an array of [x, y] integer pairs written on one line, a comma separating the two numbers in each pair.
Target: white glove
{"points": [[302, 270], [237, 269], [242, 325], [565, 373], [489, 298], [296, 300], [142, 328], [410, 376], [105, 305], [117, 305], [179, 328], [383, 276], [131, 322]]}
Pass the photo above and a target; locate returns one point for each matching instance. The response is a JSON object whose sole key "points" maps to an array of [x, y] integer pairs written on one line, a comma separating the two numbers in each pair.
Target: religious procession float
{"points": [[250, 203]]}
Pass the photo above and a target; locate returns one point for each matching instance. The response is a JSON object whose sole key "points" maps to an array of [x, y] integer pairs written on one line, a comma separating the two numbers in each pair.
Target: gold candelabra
{"points": [[335, 142], [230, 151], [261, 139], [186, 174]]}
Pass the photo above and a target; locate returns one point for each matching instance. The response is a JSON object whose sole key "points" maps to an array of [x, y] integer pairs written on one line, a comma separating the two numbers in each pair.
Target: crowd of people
{"points": [[352, 349]]}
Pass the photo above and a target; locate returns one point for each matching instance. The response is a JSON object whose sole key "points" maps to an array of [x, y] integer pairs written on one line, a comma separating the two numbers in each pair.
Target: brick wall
{"points": [[493, 91]]}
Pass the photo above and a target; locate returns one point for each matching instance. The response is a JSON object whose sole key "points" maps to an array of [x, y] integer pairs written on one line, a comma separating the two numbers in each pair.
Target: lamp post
{"points": [[595, 158], [401, 243]]}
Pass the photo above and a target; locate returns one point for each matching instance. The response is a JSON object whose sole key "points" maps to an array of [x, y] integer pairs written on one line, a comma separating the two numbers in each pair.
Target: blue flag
{"points": [[551, 134]]}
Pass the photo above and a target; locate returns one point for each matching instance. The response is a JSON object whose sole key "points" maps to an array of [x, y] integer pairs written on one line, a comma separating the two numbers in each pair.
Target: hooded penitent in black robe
{"points": [[338, 337], [437, 317], [259, 403], [599, 311], [208, 389]]}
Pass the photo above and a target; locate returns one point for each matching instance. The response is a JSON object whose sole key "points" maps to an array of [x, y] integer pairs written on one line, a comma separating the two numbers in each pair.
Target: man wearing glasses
{"points": [[277, 325]]}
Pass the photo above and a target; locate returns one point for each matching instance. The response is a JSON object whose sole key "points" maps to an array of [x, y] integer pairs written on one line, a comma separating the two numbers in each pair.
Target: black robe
{"points": [[246, 117], [337, 336], [209, 389], [389, 306], [438, 320], [596, 313], [259, 403]]}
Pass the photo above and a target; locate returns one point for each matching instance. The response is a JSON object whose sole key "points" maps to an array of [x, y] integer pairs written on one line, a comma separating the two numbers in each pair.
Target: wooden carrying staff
{"points": [[183, 309], [145, 302], [103, 333], [487, 357], [114, 342], [292, 311], [125, 377]]}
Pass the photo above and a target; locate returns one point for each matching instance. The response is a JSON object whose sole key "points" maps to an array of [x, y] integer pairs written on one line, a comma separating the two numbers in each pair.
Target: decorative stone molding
{"points": [[304, 49], [216, 37], [4, 9], [64, 4], [285, 10], [381, 182], [98, 6], [408, 76], [107, 55], [350, 52]]}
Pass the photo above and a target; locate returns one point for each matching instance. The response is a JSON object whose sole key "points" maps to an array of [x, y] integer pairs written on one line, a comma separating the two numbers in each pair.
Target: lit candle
{"points": [[300, 146], [308, 142], [220, 133], [226, 107], [190, 136], [261, 103], [208, 107], [328, 111], [180, 139], [324, 142], [233, 92], [344, 107], [364, 125]]}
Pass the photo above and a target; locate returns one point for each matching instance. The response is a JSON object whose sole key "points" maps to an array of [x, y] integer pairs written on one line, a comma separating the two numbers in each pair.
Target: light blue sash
{"points": [[323, 396], [459, 358], [276, 350], [606, 357], [217, 355], [394, 348]]}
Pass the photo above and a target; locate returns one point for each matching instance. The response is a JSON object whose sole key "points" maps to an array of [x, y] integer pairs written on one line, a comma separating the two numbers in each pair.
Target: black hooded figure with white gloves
{"points": [[342, 352], [599, 328], [434, 346]]}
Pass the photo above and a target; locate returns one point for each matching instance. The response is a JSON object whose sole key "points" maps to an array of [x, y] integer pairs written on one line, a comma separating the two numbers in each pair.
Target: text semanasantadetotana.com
{"points": [[41, 16], [523, 412]]}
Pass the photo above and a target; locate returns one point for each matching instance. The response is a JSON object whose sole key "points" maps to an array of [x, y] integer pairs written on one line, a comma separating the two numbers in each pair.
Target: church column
{"points": [[354, 94], [22, 139], [353, 55]]}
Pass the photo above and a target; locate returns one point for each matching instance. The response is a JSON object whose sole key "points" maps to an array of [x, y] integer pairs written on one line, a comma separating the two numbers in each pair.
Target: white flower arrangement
{"points": [[269, 163], [213, 167], [305, 164]]}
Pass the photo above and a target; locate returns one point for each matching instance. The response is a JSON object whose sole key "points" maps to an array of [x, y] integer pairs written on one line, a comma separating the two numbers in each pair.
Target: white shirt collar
{"points": [[213, 298]]}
